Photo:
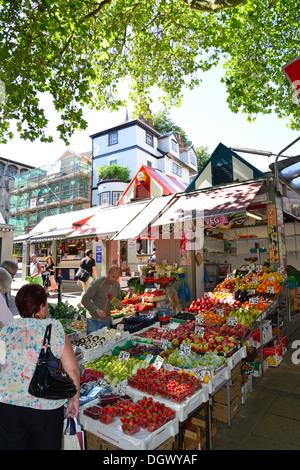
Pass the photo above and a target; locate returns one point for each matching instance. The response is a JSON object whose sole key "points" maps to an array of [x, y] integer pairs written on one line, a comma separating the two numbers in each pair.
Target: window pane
{"points": [[113, 138]]}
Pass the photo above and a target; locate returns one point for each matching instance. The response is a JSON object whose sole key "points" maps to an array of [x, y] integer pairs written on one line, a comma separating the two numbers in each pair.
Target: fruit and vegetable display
{"points": [[115, 370], [145, 414], [171, 385], [98, 339], [65, 311], [139, 349]]}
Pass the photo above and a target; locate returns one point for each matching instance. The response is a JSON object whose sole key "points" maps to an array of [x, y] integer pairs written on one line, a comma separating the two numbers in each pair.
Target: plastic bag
{"points": [[184, 294], [73, 436]]}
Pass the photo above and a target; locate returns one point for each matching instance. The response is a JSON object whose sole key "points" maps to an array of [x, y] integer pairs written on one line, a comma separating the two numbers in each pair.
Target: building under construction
{"points": [[63, 186]]}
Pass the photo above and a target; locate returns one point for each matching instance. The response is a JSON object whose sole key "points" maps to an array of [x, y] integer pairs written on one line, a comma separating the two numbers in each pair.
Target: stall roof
{"points": [[199, 204], [140, 222], [62, 224], [52, 235], [109, 220], [289, 172]]}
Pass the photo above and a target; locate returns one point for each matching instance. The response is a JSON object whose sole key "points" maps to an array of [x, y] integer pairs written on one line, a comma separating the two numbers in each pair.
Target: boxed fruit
{"points": [[255, 340], [274, 354], [254, 368]]}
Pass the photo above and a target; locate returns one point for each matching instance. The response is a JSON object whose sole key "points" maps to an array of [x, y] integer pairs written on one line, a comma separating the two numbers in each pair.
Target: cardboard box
{"points": [[93, 442], [254, 368], [246, 388], [254, 339], [220, 411], [234, 391], [274, 354]]}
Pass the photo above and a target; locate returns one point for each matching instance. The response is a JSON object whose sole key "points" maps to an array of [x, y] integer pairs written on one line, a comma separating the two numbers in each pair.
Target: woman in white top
{"points": [[5, 282], [36, 271]]}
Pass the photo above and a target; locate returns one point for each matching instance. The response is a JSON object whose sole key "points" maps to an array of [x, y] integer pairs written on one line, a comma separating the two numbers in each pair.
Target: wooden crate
{"points": [[93, 442]]}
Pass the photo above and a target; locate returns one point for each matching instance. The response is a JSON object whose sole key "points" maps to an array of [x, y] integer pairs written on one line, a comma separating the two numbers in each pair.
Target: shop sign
{"points": [[222, 219], [98, 254], [272, 230]]}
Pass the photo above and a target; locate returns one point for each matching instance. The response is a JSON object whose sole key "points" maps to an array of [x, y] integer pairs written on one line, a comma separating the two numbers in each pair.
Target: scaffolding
{"points": [[50, 190]]}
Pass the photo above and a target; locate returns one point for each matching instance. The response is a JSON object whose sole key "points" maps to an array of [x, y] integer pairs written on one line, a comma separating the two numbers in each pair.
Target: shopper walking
{"points": [[36, 271], [88, 263], [28, 422], [6, 315], [97, 299], [12, 268], [50, 268]]}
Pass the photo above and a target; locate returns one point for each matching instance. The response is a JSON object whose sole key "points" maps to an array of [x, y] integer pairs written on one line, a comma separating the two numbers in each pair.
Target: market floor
{"points": [[270, 416]]}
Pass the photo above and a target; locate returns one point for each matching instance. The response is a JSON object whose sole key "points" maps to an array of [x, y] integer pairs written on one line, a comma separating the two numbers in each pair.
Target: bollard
{"points": [[59, 288]]}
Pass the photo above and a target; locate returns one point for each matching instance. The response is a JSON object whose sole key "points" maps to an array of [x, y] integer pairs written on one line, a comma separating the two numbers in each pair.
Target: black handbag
{"points": [[82, 275], [49, 379]]}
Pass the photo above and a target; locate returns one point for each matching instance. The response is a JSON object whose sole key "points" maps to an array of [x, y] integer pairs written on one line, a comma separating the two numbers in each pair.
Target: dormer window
{"points": [[192, 158], [174, 145]]}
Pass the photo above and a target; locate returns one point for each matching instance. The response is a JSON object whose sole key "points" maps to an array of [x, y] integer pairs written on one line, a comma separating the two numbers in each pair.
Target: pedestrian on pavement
{"points": [[36, 271], [6, 315], [28, 422], [97, 299], [12, 268], [50, 268], [88, 263]]}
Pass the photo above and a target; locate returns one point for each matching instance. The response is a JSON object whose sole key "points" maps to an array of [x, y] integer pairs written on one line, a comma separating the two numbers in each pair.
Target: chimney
{"points": [[148, 121], [180, 142]]}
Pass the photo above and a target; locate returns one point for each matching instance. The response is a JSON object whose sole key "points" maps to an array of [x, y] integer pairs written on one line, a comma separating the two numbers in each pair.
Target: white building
{"points": [[133, 144]]}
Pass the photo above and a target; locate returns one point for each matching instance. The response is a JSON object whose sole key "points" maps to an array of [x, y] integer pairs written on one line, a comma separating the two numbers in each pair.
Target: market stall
{"points": [[145, 381]]}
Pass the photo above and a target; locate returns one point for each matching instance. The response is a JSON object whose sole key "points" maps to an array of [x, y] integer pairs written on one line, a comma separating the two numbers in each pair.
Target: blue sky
{"points": [[204, 115]]}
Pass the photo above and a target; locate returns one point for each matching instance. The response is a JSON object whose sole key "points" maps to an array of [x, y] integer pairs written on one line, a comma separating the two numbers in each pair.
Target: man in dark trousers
{"points": [[88, 263]]}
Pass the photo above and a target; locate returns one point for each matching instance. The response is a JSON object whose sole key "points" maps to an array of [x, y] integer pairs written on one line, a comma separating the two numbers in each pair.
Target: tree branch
{"points": [[213, 6]]}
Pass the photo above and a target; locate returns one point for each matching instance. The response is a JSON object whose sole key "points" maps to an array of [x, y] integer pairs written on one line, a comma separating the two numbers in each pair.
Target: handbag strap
{"points": [[47, 336]]}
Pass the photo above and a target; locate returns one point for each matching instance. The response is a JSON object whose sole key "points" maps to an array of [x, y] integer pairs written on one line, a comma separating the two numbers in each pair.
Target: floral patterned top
{"points": [[20, 345]]}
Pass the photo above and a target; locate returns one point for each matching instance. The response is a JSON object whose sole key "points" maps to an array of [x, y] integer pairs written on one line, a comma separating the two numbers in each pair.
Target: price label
{"points": [[232, 321], [158, 362], [165, 328], [220, 311], [185, 349], [199, 330], [252, 291], [124, 356], [149, 358], [252, 267], [280, 270], [270, 289], [200, 373], [253, 301], [122, 390], [164, 344], [271, 279], [101, 382], [258, 268], [199, 319], [254, 280], [120, 326], [230, 276]]}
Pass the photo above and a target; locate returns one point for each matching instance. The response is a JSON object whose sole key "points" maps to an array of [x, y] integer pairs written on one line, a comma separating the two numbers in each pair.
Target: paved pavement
{"points": [[70, 293]]}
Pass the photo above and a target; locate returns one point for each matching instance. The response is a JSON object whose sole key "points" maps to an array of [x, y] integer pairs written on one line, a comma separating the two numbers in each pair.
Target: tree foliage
{"points": [[79, 51], [113, 171], [163, 124]]}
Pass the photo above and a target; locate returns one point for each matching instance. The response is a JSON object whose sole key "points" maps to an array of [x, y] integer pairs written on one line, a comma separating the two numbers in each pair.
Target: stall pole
{"points": [[59, 287]]}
